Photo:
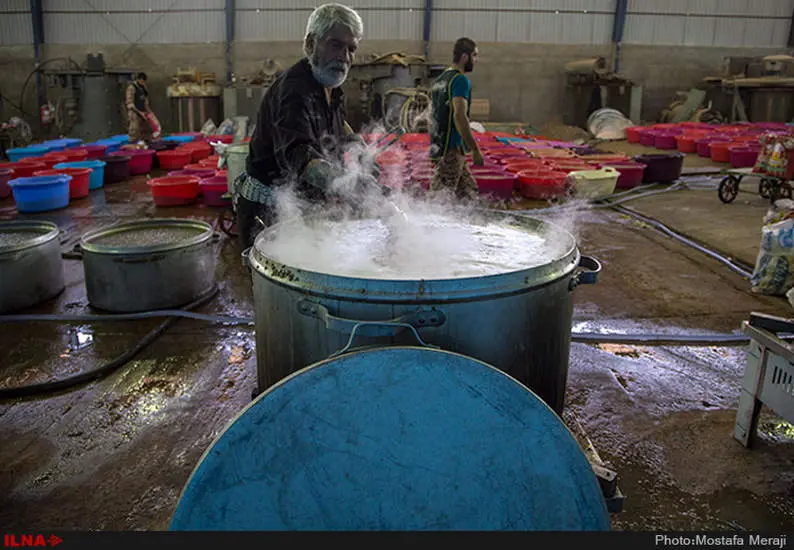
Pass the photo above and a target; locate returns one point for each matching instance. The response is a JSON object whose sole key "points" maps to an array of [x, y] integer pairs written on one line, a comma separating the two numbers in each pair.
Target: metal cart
{"points": [[768, 375], [769, 187]]}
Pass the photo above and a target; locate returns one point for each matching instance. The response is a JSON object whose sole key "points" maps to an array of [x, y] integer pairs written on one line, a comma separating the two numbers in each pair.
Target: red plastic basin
{"points": [[648, 137], [744, 157], [6, 175], [630, 173], [704, 146], [496, 186], [74, 155], [212, 189], [542, 185], [174, 159], [719, 151], [26, 169], [95, 151], [199, 170], [524, 164], [140, 160], [79, 184], [686, 143], [664, 141], [633, 134], [174, 190], [198, 150]]}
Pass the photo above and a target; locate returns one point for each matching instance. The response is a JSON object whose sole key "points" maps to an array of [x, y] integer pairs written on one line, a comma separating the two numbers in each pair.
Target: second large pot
{"points": [[148, 264], [31, 268], [519, 321]]}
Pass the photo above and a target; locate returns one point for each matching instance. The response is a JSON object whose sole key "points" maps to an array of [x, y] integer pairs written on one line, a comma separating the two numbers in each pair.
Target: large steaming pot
{"points": [[149, 276], [519, 322], [31, 268]]}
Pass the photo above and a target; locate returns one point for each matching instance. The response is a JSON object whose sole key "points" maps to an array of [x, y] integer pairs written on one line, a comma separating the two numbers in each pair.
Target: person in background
{"points": [[301, 133], [450, 132], [142, 122]]}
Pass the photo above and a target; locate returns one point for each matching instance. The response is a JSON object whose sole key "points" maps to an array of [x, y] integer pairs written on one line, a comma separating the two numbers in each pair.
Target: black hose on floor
{"points": [[95, 374], [656, 224]]}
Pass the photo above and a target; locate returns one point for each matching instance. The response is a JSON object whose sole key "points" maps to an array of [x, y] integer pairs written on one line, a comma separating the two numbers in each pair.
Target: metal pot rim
{"points": [[52, 233], [391, 290], [88, 246]]}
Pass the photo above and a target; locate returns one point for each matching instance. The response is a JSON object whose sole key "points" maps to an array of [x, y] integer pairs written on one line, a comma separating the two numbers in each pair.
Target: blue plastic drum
{"points": [[401, 438]]}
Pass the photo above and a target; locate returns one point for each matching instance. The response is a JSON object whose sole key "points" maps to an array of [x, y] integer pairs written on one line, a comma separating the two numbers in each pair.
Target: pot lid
{"points": [[396, 438], [18, 235], [144, 236]]}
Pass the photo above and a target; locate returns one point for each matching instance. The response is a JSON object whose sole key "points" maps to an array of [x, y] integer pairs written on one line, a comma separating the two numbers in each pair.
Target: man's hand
{"points": [[476, 157], [368, 186], [319, 174]]}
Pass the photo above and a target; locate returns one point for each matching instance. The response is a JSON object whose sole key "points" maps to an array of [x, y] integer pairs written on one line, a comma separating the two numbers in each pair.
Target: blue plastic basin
{"points": [[179, 139], [41, 193], [15, 155], [97, 177]]}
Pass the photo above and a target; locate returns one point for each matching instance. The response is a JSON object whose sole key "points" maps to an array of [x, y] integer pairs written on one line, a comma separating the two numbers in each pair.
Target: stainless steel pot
{"points": [[31, 271], [149, 276], [519, 322]]}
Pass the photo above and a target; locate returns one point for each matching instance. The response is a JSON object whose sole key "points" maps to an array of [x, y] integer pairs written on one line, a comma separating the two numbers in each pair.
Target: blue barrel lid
{"points": [[400, 438], [81, 164], [41, 148], [179, 139]]}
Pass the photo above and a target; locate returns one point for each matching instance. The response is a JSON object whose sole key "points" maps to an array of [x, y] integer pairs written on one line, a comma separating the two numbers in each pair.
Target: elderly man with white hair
{"points": [[300, 128]]}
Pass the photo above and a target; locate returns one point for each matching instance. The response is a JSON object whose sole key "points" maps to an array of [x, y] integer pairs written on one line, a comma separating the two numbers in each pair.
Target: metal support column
{"points": [[618, 25], [790, 42], [229, 12], [37, 19], [426, 33]]}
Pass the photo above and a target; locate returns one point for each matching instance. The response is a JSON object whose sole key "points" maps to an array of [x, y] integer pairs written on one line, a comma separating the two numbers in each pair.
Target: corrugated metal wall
{"points": [[130, 21], [725, 23], [15, 23], [286, 19], [545, 21]]}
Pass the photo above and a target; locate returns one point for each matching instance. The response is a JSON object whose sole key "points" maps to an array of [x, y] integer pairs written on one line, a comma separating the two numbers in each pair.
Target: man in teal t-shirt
{"points": [[450, 133]]}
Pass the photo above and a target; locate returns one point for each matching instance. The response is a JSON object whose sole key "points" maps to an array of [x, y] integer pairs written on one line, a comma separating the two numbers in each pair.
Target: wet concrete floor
{"points": [[115, 454]]}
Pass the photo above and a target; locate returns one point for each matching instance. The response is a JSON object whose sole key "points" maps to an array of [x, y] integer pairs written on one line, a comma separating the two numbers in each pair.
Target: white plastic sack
{"points": [[774, 268]]}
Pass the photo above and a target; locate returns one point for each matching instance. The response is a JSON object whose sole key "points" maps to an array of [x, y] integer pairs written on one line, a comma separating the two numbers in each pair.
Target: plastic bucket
{"points": [[236, 157], [41, 193]]}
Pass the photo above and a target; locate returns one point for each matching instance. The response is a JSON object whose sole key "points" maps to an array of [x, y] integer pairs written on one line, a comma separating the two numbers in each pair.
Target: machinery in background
{"points": [[389, 90], [243, 97], [590, 86], [195, 98], [754, 89], [86, 102]]}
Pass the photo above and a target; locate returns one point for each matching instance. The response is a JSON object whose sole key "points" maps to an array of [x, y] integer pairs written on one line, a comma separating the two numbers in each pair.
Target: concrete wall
{"points": [[524, 82]]}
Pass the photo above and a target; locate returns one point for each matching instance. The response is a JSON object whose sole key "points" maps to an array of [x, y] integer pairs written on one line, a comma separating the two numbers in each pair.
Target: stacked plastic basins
{"points": [[734, 144]]}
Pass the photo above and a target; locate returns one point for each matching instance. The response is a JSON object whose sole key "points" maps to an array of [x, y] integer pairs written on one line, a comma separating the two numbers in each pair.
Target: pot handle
{"points": [[589, 275], [381, 324], [420, 318], [245, 256]]}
